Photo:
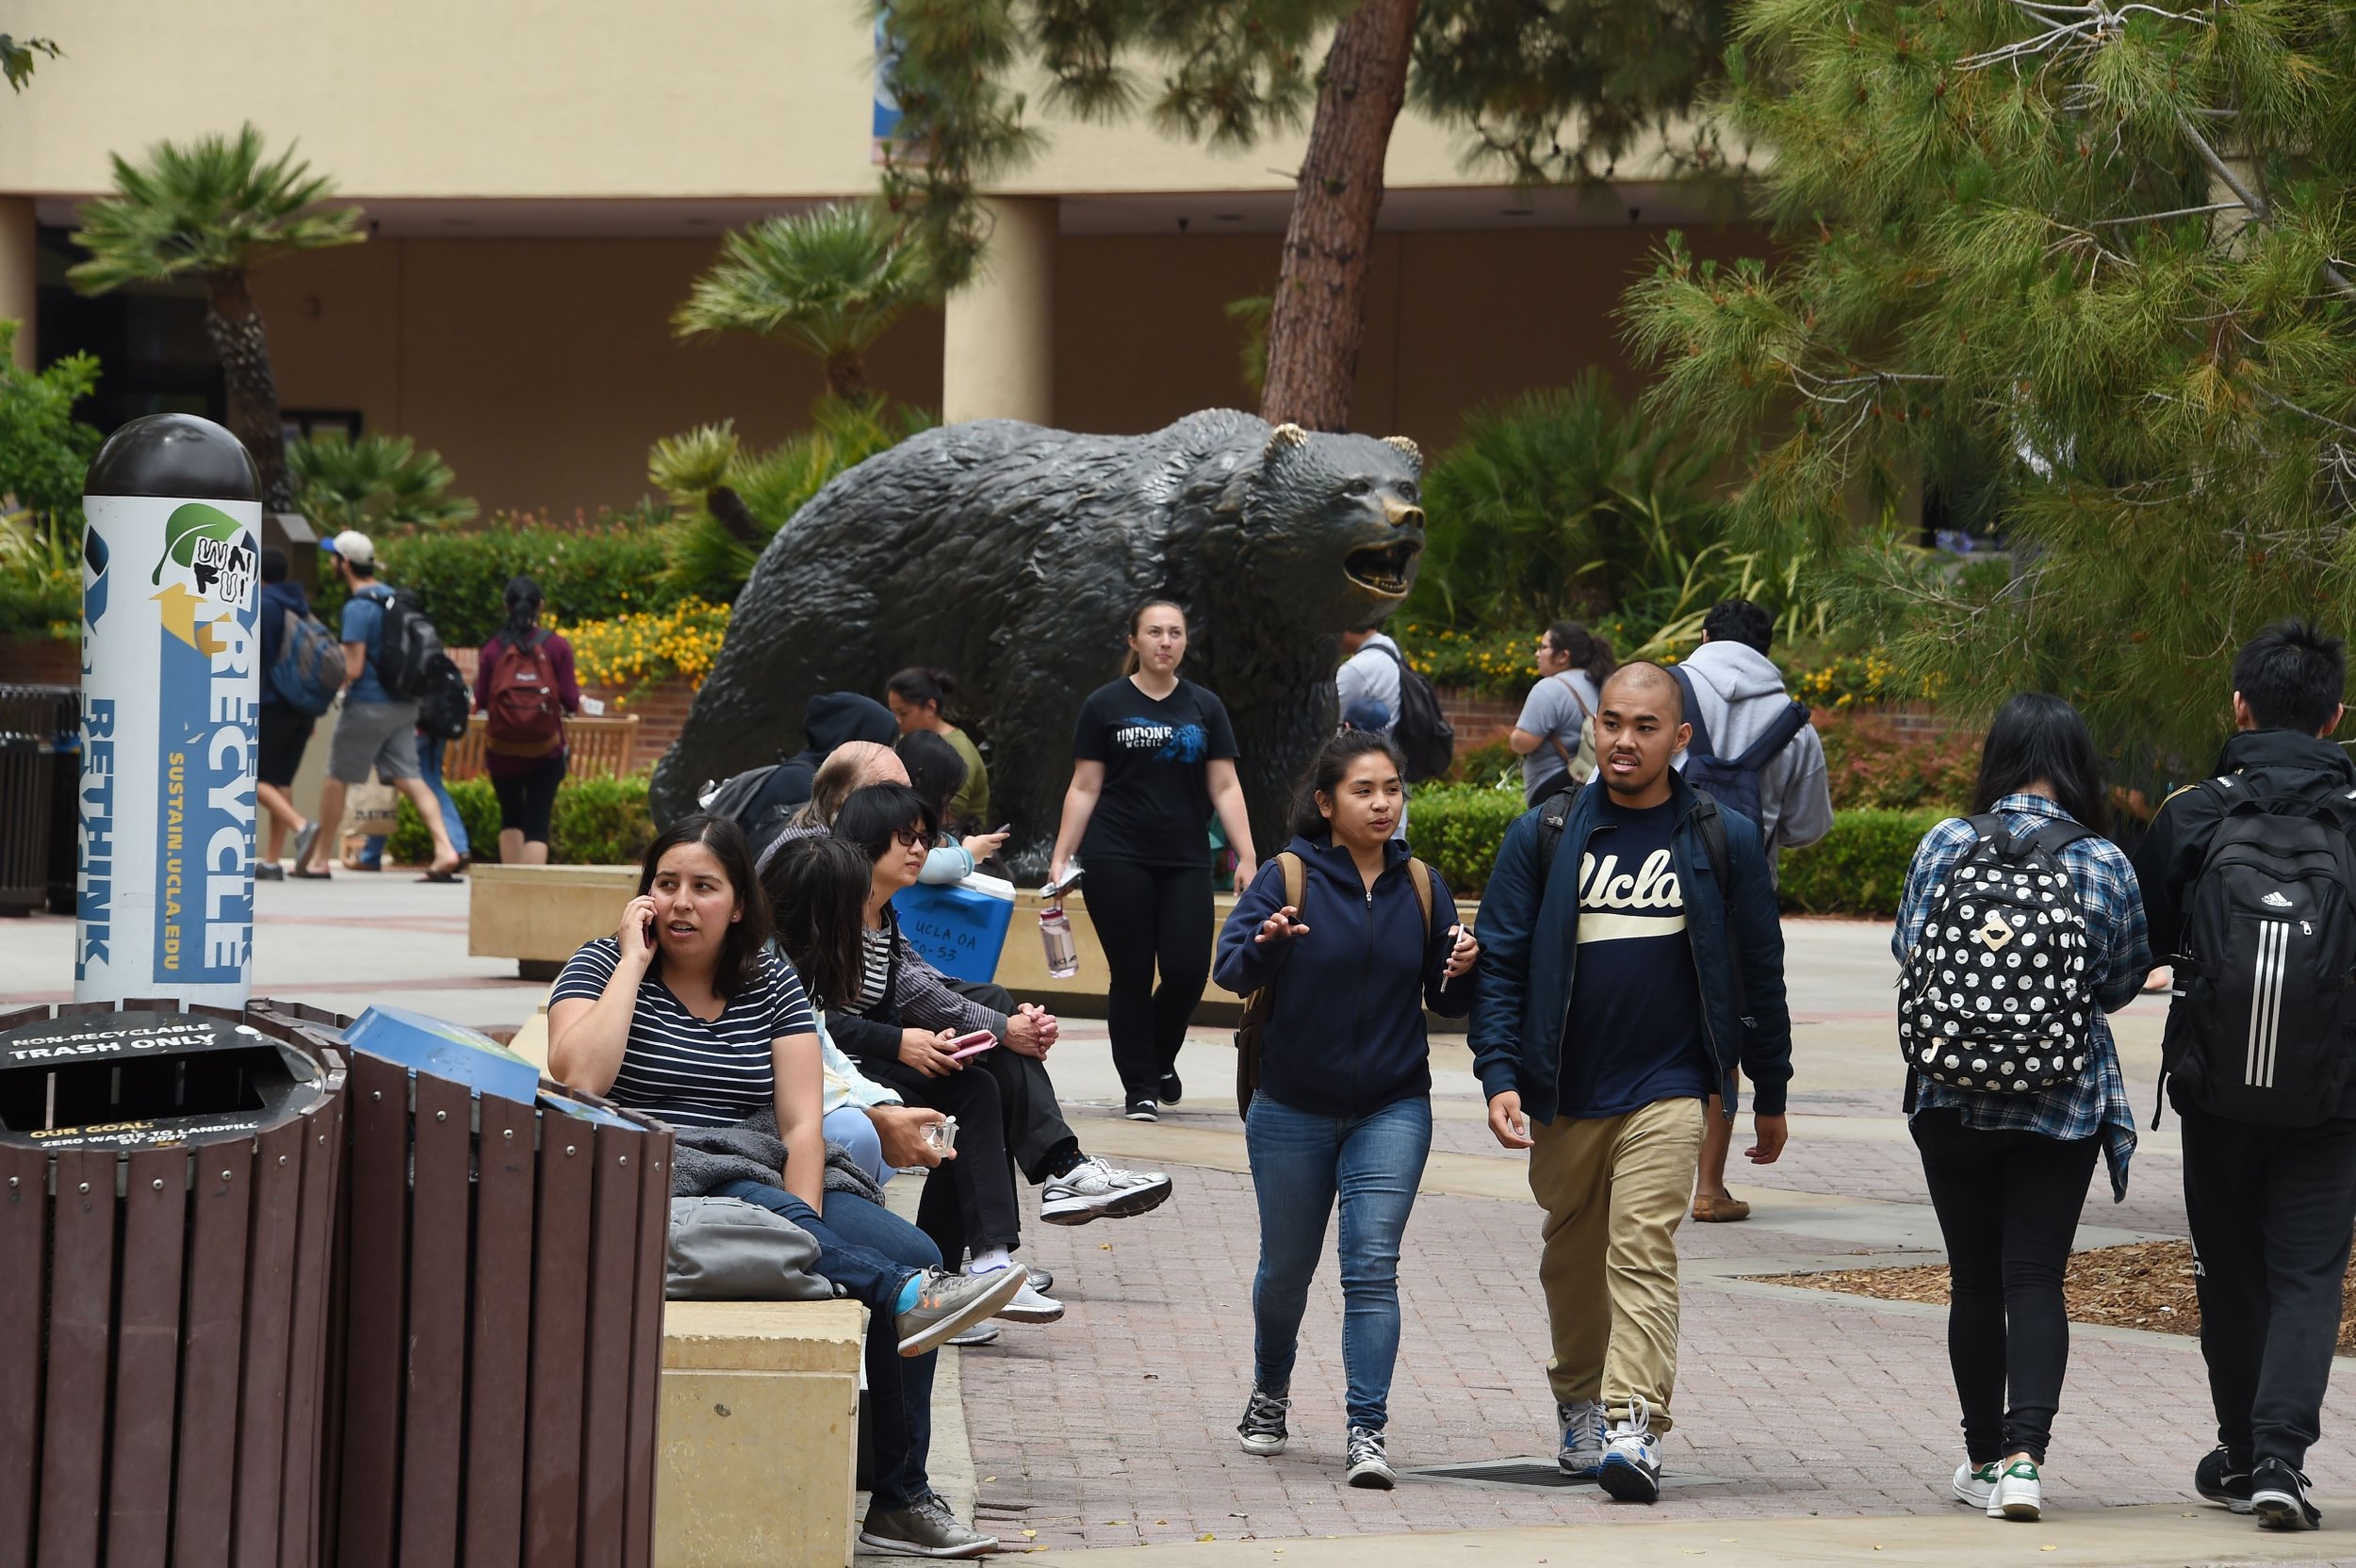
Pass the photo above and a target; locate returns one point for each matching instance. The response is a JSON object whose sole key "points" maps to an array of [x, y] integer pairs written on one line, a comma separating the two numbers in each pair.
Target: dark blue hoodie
{"points": [[1346, 1036]]}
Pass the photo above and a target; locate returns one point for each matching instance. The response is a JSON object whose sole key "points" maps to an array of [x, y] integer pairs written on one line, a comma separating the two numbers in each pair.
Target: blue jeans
{"points": [[430, 767], [849, 1126], [1299, 1161], [871, 1252]]}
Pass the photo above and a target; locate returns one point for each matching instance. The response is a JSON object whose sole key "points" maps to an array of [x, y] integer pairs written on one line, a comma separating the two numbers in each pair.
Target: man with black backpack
{"points": [[390, 659], [2247, 879], [1375, 673], [1632, 959], [1755, 752]]}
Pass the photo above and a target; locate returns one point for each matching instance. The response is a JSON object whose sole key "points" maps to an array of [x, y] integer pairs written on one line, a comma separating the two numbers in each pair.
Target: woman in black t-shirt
{"points": [[1153, 758]]}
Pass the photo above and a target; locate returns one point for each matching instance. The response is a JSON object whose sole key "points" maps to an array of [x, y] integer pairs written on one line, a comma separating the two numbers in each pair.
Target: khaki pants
{"points": [[1614, 1191]]}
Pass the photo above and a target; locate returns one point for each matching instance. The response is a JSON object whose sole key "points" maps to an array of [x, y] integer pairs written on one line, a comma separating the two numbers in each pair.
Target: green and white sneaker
{"points": [[2017, 1494], [1975, 1485]]}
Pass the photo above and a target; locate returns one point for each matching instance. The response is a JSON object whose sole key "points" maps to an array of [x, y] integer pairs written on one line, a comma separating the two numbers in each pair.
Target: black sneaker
{"points": [[1369, 1467], [2220, 1480], [2278, 1496], [1171, 1088], [1262, 1429], [1142, 1110]]}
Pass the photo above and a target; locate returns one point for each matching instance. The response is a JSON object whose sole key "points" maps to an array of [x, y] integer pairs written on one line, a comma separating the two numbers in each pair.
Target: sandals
{"points": [[1720, 1209], [302, 874]]}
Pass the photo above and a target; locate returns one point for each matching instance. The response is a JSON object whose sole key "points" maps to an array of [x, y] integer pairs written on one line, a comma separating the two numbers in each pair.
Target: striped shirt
{"points": [[688, 1072], [2117, 959], [875, 950]]}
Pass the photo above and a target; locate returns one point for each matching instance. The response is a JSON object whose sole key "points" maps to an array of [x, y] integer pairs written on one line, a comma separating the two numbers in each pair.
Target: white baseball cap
{"points": [[354, 546]]}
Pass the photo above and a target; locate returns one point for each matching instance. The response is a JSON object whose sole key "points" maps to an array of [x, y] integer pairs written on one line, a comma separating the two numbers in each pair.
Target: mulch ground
{"points": [[2145, 1286]]}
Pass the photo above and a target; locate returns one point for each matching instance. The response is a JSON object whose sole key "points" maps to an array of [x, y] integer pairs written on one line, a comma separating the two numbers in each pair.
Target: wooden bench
{"points": [[759, 1451], [600, 748]]}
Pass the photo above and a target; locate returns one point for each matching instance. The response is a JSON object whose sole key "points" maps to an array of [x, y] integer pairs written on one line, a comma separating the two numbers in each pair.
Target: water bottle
{"points": [[1055, 937]]}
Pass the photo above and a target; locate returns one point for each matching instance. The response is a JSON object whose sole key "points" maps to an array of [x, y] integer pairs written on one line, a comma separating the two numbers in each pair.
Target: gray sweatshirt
{"points": [[1741, 692]]}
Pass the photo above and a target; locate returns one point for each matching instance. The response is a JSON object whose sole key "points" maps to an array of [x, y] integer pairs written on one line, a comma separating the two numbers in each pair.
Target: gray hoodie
{"points": [[1741, 692]]}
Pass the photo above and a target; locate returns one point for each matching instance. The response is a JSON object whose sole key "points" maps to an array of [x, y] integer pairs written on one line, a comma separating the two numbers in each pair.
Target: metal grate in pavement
{"points": [[1539, 1474]]}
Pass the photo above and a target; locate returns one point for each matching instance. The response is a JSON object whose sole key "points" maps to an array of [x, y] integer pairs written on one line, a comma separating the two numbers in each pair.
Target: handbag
{"points": [[726, 1250], [375, 809]]}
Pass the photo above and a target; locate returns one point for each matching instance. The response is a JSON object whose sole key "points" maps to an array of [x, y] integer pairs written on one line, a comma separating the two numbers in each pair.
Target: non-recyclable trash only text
{"points": [[167, 1212]]}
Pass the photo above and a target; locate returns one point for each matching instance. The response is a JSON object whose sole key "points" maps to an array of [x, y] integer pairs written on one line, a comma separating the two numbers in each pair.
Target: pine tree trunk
{"points": [[1320, 319], [234, 326]]}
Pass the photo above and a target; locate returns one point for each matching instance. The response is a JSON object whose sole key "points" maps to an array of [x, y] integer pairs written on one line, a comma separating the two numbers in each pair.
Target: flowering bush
{"points": [[1851, 678], [1870, 765], [629, 650], [1496, 664]]}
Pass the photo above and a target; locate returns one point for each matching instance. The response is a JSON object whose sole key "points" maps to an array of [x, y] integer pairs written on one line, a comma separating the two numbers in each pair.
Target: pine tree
{"points": [[1511, 73], [2081, 270]]}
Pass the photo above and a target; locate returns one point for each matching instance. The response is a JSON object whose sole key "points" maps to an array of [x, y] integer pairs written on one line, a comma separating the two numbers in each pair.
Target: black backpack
{"points": [[1995, 995], [758, 800], [407, 647], [1425, 737], [2263, 1028], [1733, 782], [446, 707]]}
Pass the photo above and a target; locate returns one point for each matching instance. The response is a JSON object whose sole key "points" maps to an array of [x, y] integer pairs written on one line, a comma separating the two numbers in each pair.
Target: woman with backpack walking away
{"points": [[1152, 756], [1342, 941], [2018, 929], [524, 684]]}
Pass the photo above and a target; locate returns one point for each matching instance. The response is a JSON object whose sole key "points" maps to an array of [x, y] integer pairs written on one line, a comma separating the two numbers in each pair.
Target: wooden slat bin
{"points": [[504, 1267], [166, 1186]]}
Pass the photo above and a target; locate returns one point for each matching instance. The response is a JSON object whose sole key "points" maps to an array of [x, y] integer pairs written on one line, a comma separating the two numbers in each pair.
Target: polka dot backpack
{"points": [[1996, 996]]}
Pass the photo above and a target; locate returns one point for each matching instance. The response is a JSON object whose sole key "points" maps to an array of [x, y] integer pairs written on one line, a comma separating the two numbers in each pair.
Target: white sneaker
{"points": [[2017, 1494], [1093, 1190], [1580, 1452], [1975, 1484], [1630, 1472], [1028, 1305]]}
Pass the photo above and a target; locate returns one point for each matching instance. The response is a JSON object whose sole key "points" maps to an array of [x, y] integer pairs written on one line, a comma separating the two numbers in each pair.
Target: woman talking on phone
{"points": [[684, 1014], [1354, 940], [1154, 756]]}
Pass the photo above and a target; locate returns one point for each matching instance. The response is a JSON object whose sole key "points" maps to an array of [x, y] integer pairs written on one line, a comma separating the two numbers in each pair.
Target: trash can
{"points": [[53, 713], [25, 781], [501, 1353], [167, 1216]]}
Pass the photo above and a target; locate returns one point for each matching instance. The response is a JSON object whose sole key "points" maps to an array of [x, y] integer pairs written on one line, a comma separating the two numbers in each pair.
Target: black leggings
{"points": [[2009, 1204], [529, 801], [1149, 916]]}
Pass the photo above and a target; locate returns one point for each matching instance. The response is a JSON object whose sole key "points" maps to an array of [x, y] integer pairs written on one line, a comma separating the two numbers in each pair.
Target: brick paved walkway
{"points": [[1115, 1426]]}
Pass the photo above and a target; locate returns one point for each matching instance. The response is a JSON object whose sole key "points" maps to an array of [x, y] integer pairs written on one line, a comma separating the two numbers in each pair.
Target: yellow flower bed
{"points": [[630, 650]]}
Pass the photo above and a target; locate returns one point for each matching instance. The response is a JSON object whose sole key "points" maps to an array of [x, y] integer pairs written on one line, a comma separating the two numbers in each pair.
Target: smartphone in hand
{"points": [[970, 1045]]}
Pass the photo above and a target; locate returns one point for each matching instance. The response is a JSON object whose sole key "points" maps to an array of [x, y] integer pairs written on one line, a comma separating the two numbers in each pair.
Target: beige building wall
{"points": [[542, 370]]}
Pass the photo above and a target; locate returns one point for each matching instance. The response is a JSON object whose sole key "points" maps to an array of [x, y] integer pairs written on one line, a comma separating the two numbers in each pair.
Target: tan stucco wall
{"points": [[530, 98], [542, 370]]}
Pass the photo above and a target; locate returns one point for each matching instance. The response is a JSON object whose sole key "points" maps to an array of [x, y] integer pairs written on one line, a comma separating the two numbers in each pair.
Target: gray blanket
{"points": [[710, 1158]]}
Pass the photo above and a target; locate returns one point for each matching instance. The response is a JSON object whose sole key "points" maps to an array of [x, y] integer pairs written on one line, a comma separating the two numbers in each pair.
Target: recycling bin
{"points": [[502, 1327], [168, 1179]]}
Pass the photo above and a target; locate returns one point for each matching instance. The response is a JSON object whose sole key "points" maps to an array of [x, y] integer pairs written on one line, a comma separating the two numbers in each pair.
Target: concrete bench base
{"points": [[759, 1436]]}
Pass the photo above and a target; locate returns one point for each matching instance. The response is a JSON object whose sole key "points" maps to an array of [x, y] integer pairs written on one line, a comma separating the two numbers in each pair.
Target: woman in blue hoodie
{"points": [[1344, 1101]]}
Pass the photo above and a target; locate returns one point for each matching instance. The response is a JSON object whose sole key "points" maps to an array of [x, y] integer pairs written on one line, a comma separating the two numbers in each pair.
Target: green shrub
{"points": [[590, 573], [598, 822], [1456, 828], [601, 821], [478, 808], [1859, 868]]}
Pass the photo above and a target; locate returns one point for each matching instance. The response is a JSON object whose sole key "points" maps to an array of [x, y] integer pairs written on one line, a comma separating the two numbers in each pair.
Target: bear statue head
{"points": [[1339, 519]]}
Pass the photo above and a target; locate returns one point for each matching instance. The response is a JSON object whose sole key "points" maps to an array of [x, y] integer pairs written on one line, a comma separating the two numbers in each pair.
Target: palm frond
{"points": [[211, 205], [373, 483]]}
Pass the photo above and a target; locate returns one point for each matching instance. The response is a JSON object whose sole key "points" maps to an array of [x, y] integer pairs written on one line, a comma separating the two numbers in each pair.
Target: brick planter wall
{"points": [[41, 662], [1479, 719]]}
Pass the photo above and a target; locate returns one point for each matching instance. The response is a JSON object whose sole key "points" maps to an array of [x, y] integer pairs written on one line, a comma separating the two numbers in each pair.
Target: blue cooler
{"points": [[960, 928]]}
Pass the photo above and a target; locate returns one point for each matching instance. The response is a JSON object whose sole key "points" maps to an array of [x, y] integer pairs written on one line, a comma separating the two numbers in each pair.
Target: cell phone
{"points": [[970, 1045], [1002, 828]]}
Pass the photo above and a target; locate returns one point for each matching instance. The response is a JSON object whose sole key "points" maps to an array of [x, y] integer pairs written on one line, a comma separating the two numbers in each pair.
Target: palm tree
{"points": [[375, 482], [831, 281], [214, 210]]}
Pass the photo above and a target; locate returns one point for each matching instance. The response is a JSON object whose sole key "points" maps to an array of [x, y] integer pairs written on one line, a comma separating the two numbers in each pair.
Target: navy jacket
{"points": [[1522, 1021], [1347, 1036], [277, 598]]}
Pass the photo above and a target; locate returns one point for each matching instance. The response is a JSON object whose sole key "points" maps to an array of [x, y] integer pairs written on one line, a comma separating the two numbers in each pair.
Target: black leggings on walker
{"points": [[2007, 1202], [1151, 917]]}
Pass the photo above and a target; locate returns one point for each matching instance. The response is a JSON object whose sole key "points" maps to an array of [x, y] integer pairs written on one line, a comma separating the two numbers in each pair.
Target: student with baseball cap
{"points": [[375, 731]]}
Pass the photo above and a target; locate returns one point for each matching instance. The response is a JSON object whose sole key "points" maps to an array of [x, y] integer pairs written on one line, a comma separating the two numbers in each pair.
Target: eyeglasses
{"points": [[909, 837]]}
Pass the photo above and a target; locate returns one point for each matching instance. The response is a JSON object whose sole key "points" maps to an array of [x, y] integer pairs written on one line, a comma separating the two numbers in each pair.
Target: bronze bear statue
{"points": [[1013, 556]]}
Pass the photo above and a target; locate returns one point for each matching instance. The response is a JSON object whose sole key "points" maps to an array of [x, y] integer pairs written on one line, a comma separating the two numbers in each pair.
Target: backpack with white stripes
{"points": [[1995, 995], [2263, 1028]]}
